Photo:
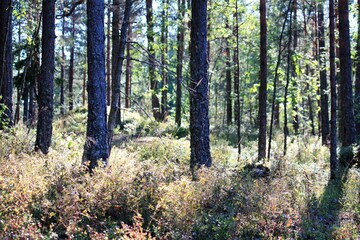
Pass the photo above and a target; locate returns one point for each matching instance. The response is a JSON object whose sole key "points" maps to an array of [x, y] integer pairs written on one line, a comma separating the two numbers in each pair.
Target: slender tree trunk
{"points": [[180, 56], [237, 80], [128, 69], [275, 106], [164, 59], [263, 82], [71, 65], [155, 104], [199, 100], [228, 77], [333, 137], [84, 82], [108, 55], [289, 55], [294, 97], [323, 80], [346, 92], [357, 80], [25, 97], [115, 96], [46, 83], [6, 82], [96, 147], [62, 72]]}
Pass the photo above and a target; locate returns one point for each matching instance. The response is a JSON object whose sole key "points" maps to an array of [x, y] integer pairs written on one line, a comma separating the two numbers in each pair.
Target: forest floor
{"points": [[148, 192]]}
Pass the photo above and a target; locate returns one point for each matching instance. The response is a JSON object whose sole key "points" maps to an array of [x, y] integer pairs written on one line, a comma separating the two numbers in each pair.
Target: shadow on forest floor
{"points": [[321, 218]]}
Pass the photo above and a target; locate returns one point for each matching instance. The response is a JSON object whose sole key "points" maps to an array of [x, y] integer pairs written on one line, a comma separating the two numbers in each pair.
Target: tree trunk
{"points": [[199, 101], [357, 80], [237, 80], [228, 77], [164, 58], [263, 82], [6, 82], [128, 69], [180, 56], [115, 96], [62, 72], [71, 65], [46, 83], [346, 92], [155, 104], [294, 92], [323, 80], [96, 146], [108, 55], [333, 137]]}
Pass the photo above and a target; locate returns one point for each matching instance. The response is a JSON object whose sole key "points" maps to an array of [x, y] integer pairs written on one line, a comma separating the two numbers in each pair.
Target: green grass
{"points": [[147, 189]]}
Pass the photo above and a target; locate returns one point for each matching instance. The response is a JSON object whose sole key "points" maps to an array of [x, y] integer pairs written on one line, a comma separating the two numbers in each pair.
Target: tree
{"points": [[115, 85], [333, 127], [228, 76], [263, 82], [128, 72], [96, 146], [199, 100], [6, 82], [46, 83], [180, 56], [155, 104], [357, 80], [346, 93], [323, 80], [164, 58], [71, 64]]}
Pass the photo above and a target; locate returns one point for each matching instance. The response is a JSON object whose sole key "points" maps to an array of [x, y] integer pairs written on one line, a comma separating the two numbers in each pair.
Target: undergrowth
{"points": [[147, 192]]}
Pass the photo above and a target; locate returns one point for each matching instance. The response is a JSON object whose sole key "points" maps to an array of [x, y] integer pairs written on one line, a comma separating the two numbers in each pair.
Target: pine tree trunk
{"points": [[346, 92], [180, 56], [164, 59], [6, 82], [323, 79], [294, 97], [199, 100], [71, 65], [115, 96], [155, 104], [62, 73], [333, 127], [108, 55], [128, 69], [96, 147], [46, 82]]}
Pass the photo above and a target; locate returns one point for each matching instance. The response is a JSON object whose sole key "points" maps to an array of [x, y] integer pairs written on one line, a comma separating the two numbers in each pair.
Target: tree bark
{"points": [[115, 96], [46, 83], [357, 80], [164, 59], [128, 69], [294, 92], [108, 55], [180, 56], [155, 104], [324, 107], [71, 65], [6, 82], [199, 100], [346, 92], [263, 82], [228, 77], [96, 146], [62, 72], [333, 137]]}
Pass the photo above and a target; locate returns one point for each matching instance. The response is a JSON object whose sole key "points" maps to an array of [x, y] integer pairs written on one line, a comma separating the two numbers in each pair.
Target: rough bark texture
{"points": [[128, 69], [346, 92], [180, 56], [46, 82], [333, 137], [6, 82], [71, 65], [294, 97], [263, 82], [324, 107], [199, 101], [115, 86], [108, 55], [96, 146], [155, 104], [62, 72], [357, 81], [164, 59]]}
